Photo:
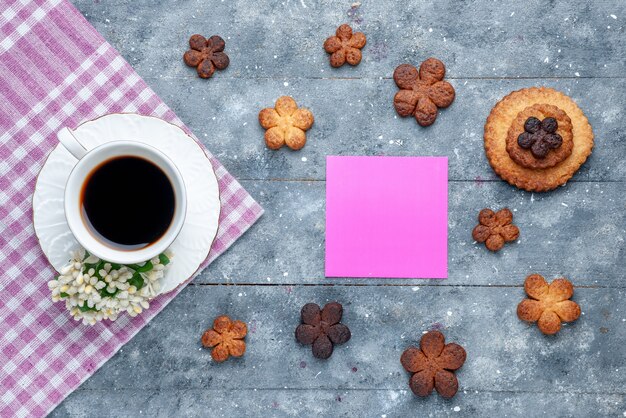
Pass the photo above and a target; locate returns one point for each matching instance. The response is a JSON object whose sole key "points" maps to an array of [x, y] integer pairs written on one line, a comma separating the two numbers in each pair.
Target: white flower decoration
{"points": [[94, 289]]}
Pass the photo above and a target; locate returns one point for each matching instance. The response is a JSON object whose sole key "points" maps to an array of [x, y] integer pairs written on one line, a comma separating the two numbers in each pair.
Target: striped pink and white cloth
{"points": [[55, 71]]}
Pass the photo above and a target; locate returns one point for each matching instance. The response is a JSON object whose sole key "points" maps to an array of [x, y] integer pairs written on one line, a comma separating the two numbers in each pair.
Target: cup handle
{"points": [[67, 138]]}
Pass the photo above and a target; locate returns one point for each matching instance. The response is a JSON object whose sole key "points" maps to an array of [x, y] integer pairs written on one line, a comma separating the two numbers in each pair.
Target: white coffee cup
{"points": [[90, 159]]}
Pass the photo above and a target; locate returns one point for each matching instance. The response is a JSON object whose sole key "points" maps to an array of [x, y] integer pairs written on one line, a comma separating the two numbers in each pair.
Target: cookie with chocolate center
{"points": [[516, 164]]}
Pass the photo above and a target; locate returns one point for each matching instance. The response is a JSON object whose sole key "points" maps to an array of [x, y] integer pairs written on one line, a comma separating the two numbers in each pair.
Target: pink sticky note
{"points": [[387, 217]]}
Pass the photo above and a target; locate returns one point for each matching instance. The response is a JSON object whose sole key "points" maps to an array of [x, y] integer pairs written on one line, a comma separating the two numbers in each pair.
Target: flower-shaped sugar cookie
{"points": [[422, 92], [495, 228], [206, 55], [286, 124], [549, 304], [433, 365], [345, 46], [322, 328], [226, 338]]}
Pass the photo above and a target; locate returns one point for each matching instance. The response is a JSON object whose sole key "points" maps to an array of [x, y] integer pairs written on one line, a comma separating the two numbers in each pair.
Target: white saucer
{"points": [[192, 245]]}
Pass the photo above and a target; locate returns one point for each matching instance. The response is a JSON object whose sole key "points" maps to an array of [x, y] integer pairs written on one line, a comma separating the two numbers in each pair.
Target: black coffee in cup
{"points": [[127, 202]]}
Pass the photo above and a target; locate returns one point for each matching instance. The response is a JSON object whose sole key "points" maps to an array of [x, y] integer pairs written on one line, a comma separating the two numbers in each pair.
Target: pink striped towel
{"points": [[55, 71]]}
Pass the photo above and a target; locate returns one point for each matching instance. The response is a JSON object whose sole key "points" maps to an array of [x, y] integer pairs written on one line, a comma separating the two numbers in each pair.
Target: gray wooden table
{"points": [[490, 48]]}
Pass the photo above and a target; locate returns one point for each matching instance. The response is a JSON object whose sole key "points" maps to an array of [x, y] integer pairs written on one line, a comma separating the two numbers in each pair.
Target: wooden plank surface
{"points": [[506, 358], [336, 402], [577, 231], [356, 117], [503, 352], [275, 39], [490, 48]]}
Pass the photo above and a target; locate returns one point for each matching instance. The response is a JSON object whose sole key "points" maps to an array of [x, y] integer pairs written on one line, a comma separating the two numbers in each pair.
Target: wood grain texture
{"points": [[275, 39], [489, 48], [577, 231], [504, 355], [356, 117], [336, 403]]}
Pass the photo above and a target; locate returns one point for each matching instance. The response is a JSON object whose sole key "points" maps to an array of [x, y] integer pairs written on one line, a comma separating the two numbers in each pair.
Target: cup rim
{"points": [[75, 220]]}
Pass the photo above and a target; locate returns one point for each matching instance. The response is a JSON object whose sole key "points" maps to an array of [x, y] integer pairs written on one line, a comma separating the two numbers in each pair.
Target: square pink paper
{"points": [[387, 217]]}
